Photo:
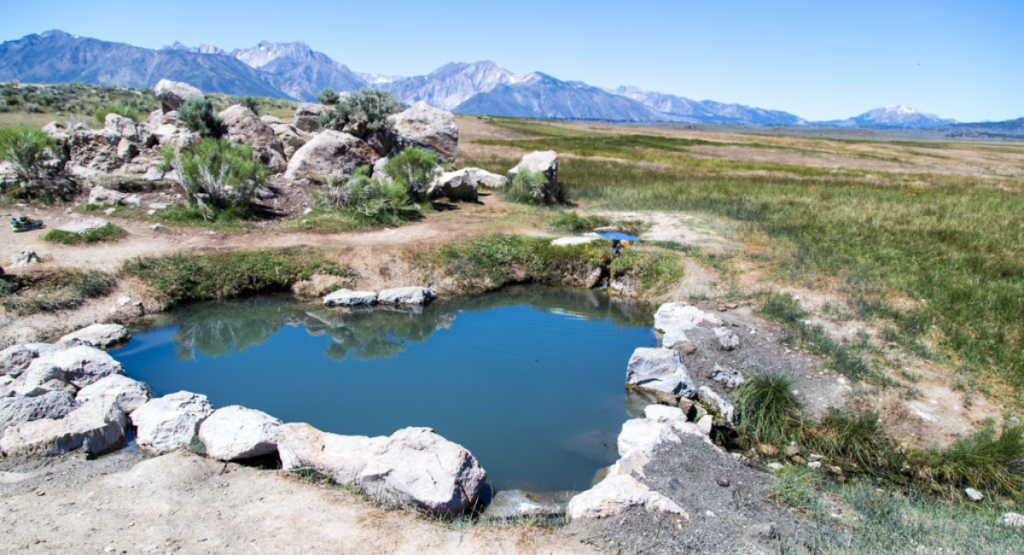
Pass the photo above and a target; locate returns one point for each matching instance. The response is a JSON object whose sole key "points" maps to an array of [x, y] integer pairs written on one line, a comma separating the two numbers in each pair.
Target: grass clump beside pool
{"points": [[183, 278], [574, 222], [52, 290], [105, 234]]}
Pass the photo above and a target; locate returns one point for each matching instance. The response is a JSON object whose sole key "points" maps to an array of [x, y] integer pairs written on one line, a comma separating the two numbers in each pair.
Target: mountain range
{"points": [[295, 71]]}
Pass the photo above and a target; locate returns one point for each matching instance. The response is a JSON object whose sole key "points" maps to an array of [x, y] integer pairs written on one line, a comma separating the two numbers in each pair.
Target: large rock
{"points": [[406, 295], [15, 360], [419, 468], [169, 134], [675, 319], [456, 185], [173, 94], [330, 154], [544, 162], [170, 422], [347, 297], [101, 336], [83, 225], [93, 152], [307, 117], [483, 178], [615, 494], [101, 196], [428, 128], [82, 365], [234, 433], [242, 126], [125, 128], [121, 391], [292, 138], [724, 408], [18, 410], [659, 370], [339, 458], [95, 428]]}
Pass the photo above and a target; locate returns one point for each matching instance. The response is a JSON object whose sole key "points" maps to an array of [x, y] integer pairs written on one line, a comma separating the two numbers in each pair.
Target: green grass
{"points": [[184, 278], [574, 222], [105, 234], [52, 290], [767, 409], [986, 460]]}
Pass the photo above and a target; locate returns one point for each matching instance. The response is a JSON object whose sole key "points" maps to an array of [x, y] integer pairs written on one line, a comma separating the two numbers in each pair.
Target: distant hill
{"points": [[708, 111], [892, 117], [1010, 129]]}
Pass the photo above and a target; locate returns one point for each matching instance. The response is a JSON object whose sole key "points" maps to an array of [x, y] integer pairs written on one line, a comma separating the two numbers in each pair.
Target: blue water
{"points": [[617, 235], [530, 380]]}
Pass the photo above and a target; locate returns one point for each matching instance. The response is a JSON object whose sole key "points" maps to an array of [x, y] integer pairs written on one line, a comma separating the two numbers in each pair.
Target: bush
{"points": [[327, 96], [105, 234], [251, 102], [414, 169], [197, 115], [767, 409], [529, 187], [362, 112], [120, 108], [31, 152], [371, 198], [216, 175]]}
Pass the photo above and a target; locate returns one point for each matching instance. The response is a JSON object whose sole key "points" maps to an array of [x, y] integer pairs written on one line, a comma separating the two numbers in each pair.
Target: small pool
{"points": [[530, 380], [617, 236]]}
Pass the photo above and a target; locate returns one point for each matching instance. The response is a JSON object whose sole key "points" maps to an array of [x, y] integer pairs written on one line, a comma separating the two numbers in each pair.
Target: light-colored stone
{"points": [[974, 495], [101, 336], [330, 154], [544, 162], [170, 422], [727, 376], [428, 128], [271, 120], [675, 319], [121, 391], [419, 468], [101, 195], [292, 138], [173, 94], [15, 359], [706, 423], [83, 225], [340, 458], [406, 295], [1014, 520], [24, 259], [243, 126], [454, 185], [95, 428], [82, 365], [40, 374], [124, 128], [18, 410], [347, 297], [659, 370], [234, 433], [483, 178], [571, 241], [307, 117], [727, 338], [615, 494], [724, 408]]}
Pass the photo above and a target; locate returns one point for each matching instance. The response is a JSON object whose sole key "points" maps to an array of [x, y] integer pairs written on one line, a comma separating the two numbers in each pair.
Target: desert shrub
{"points": [[197, 114], [120, 108], [414, 169], [251, 102], [767, 409], [105, 234], [372, 199], [216, 175], [367, 109], [327, 96], [528, 187], [32, 153]]}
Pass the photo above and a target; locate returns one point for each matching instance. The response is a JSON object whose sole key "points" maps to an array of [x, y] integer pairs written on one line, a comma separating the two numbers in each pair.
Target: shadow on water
{"points": [[530, 379]]}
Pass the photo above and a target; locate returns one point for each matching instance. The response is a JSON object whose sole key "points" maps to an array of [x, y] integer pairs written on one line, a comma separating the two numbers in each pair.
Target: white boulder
{"points": [[615, 494], [95, 428], [235, 433], [340, 458], [170, 422], [543, 162], [330, 154], [307, 117], [82, 365], [675, 319], [243, 126], [483, 178], [659, 370], [428, 128], [15, 359], [125, 393], [347, 297], [101, 336], [455, 185], [727, 338], [173, 94], [406, 295], [20, 409]]}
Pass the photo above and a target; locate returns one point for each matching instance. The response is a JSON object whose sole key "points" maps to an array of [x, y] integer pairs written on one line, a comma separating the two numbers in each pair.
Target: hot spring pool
{"points": [[530, 380]]}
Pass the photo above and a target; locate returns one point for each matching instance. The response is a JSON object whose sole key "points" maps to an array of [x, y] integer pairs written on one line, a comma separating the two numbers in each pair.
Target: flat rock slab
{"points": [[340, 458], [18, 410], [406, 295], [81, 226], [235, 433], [101, 336], [570, 241], [347, 297], [170, 422]]}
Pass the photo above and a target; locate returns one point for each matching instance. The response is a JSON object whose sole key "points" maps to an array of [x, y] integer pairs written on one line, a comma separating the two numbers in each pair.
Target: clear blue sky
{"points": [[817, 59]]}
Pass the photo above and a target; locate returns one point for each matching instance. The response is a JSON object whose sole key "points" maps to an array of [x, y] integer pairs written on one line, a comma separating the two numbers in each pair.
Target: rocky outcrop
{"points": [[235, 433], [292, 138], [242, 126], [307, 117], [93, 152], [675, 319], [544, 162], [483, 178], [659, 370], [18, 410], [117, 390], [406, 295], [456, 185], [330, 154], [101, 336], [347, 297], [428, 128], [170, 422], [96, 428], [82, 365], [615, 494], [125, 128], [340, 458], [419, 468], [173, 94], [15, 359]]}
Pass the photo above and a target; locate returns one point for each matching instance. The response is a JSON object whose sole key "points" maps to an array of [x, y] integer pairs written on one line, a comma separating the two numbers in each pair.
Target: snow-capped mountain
{"points": [[893, 117], [707, 111], [201, 49], [452, 84]]}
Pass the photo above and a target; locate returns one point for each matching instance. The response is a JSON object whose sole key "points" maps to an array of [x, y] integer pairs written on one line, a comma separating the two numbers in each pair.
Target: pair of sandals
{"points": [[24, 223]]}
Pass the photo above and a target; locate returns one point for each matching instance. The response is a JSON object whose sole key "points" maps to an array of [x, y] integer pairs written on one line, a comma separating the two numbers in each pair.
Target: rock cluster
{"points": [[397, 296]]}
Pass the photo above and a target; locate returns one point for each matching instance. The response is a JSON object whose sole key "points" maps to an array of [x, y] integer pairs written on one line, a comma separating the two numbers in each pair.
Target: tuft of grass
{"points": [[857, 442], [574, 222], [183, 278], [767, 409], [52, 290], [795, 486], [986, 460], [105, 234]]}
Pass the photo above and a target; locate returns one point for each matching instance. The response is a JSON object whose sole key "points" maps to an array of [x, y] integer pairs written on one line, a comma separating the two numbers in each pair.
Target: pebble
{"points": [[974, 494], [814, 464], [724, 482]]}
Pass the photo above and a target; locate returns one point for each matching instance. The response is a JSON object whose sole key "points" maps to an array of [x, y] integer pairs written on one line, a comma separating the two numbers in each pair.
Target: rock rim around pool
{"points": [[348, 297], [412, 295], [675, 319], [101, 336], [660, 369], [170, 422], [236, 433]]}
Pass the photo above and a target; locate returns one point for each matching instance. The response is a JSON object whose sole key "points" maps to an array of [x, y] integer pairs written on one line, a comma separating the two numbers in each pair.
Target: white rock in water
{"points": [[15, 360], [82, 365], [419, 468], [659, 370], [170, 422], [125, 393], [234, 433], [347, 297], [101, 336], [18, 410], [727, 338], [340, 458], [615, 494], [92, 427], [406, 295]]}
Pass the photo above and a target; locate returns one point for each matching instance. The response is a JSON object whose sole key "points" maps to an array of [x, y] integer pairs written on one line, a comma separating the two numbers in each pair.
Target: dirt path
{"points": [[182, 503]]}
